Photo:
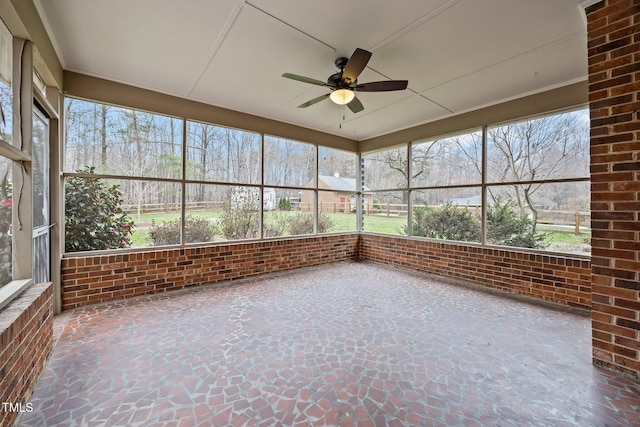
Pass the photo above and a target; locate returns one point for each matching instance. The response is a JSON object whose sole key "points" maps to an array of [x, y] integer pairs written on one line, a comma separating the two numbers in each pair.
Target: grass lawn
{"points": [[140, 237], [560, 239], [385, 224]]}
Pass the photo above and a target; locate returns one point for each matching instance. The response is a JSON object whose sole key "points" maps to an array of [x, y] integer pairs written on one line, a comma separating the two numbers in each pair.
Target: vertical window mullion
{"points": [[316, 214], [183, 184], [261, 203], [483, 202], [409, 185], [360, 198]]}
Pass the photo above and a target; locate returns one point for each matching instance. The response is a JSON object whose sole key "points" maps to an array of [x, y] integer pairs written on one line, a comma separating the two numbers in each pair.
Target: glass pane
{"points": [[41, 261], [455, 160], [121, 141], [288, 212], [221, 212], [6, 215], [39, 82], [386, 212], [337, 211], [551, 147], [221, 154], [552, 216], [106, 214], [40, 171], [387, 169], [6, 89], [337, 169], [289, 163], [448, 214]]}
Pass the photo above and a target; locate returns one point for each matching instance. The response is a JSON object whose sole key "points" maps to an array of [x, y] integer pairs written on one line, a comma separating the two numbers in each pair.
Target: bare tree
{"points": [[536, 150]]}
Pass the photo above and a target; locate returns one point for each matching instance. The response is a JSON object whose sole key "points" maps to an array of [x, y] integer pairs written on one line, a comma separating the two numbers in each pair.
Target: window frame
{"points": [[407, 188], [183, 181], [483, 185], [18, 151]]}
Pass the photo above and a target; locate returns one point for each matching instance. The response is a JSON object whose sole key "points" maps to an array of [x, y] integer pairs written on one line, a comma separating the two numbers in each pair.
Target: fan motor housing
{"points": [[335, 80]]}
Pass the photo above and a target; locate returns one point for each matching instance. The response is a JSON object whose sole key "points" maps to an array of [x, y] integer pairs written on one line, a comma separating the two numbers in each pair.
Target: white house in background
{"points": [[248, 198]]}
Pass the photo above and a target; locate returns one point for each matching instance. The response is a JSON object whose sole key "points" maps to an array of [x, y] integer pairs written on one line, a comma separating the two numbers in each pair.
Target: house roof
{"points": [[339, 183], [465, 201]]}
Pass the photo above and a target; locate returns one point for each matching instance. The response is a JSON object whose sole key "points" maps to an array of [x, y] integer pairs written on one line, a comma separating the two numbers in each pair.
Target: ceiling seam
{"points": [[415, 24], [290, 26], [414, 92], [231, 19]]}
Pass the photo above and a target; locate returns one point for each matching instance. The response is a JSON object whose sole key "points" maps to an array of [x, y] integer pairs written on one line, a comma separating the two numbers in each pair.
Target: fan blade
{"points": [[355, 65], [355, 105], [304, 79], [314, 101], [383, 86]]}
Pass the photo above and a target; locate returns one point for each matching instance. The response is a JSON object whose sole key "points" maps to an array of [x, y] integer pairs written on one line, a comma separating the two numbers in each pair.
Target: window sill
{"points": [[11, 290]]}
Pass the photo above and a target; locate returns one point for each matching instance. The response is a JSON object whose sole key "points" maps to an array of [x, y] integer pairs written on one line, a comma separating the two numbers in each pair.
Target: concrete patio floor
{"points": [[349, 344]]}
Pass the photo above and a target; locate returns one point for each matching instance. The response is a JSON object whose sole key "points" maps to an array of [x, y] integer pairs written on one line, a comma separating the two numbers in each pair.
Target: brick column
{"points": [[614, 97]]}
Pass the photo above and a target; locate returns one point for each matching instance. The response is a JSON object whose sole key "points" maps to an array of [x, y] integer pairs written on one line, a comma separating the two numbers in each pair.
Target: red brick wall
{"points": [[557, 279], [26, 338], [614, 97], [100, 278]]}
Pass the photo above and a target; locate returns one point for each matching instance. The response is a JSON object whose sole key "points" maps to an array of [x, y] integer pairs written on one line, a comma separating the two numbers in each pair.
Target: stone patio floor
{"points": [[348, 344]]}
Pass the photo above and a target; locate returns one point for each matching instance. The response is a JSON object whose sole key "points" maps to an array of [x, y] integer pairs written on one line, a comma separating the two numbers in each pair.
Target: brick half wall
{"points": [[553, 278], [100, 278], [26, 338]]}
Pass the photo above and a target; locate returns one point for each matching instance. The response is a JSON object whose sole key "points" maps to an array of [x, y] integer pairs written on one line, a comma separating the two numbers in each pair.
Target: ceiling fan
{"points": [[344, 83]]}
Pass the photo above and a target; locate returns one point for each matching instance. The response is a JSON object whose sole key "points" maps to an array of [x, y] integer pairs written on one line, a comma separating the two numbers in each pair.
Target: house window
{"points": [[15, 190], [6, 164], [135, 179], [386, 199], [288, 162], [221, 154], [530, 189], [6, 219], [444, 162], [123, 177], [538, 183], [337, 190]]}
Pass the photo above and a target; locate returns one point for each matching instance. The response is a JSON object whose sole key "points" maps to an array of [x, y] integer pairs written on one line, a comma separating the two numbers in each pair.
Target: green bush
{"points": [[302, 223], [284, 204], [507, 227], [94, 219], [447, 223], [240, 224], [276, 224], [196, 230], [376, 204]]}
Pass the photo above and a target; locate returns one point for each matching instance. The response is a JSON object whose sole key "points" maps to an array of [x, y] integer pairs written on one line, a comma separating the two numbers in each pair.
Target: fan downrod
{"points": [[341, 63]]}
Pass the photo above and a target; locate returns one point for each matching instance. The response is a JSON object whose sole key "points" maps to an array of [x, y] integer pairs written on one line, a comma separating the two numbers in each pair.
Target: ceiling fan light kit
{"points": [[342, 96], [344, 84]]}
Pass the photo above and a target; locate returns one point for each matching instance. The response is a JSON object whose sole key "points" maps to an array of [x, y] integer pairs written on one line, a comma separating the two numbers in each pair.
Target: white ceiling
{"points": [[458, 55]]}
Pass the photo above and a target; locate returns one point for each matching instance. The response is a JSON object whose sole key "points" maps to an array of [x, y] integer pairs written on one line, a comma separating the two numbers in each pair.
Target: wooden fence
{"points": [[154, 208], [575, 219]]}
